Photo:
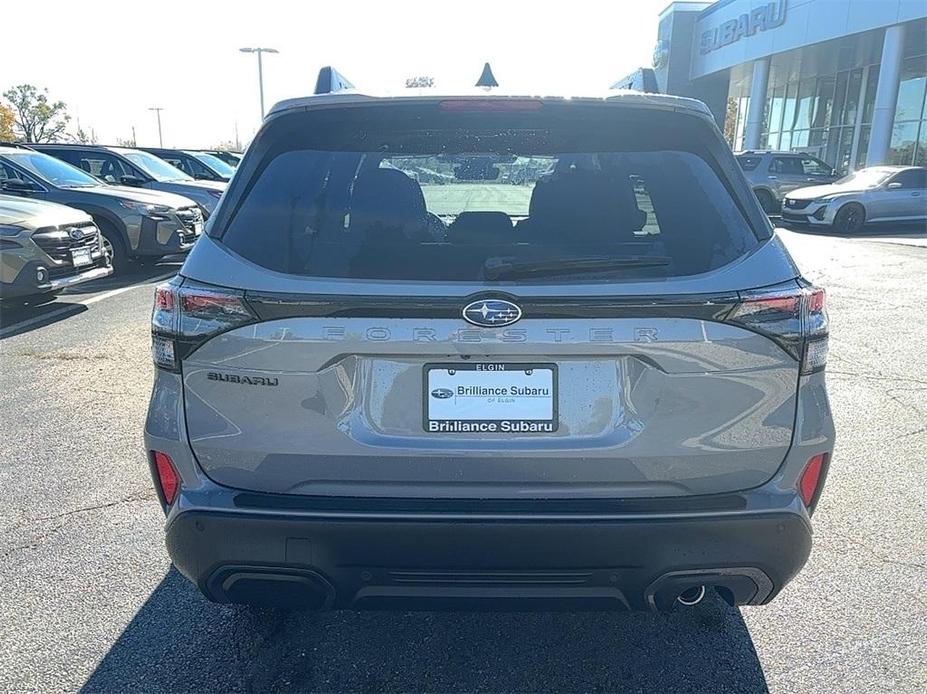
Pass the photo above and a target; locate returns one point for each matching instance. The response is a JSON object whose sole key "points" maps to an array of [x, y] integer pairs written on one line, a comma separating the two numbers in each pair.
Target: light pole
{"points": [[259, 51], [158, 109]]}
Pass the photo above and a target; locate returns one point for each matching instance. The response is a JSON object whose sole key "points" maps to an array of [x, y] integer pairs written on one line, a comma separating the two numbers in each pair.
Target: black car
{"points": [[200, 165]]}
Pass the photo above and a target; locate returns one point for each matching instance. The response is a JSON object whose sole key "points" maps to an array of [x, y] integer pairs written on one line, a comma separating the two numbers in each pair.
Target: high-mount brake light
{"points": [[186, 314], [795, 317], [490, 105]]}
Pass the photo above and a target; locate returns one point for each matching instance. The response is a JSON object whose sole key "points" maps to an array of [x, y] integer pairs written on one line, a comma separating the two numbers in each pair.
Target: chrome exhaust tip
{"points": [[691, 596]]}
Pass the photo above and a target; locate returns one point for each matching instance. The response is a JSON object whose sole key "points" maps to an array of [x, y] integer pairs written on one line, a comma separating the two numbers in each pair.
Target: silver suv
{"points": [[773, 174], [488, 350]]}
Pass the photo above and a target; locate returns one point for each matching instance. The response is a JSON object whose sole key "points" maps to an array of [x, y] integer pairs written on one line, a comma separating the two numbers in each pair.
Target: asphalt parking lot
{"points": [[88, 599]]}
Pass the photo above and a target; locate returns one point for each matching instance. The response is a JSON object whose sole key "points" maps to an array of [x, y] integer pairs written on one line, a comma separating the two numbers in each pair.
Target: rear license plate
{"points": [[81, 257], [508, 398]]}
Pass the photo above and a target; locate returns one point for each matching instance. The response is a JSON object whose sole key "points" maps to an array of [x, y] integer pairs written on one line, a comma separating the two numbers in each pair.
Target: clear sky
{"points": [[111, 61]]}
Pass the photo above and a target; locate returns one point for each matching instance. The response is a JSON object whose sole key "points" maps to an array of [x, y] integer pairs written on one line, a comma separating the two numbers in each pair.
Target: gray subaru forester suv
{"points": [[489, 352]]}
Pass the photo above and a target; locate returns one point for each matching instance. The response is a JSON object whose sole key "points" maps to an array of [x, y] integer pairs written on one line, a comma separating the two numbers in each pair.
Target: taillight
{"points": [[186, 314], [809, 484], [167, 478], [791, 315]]}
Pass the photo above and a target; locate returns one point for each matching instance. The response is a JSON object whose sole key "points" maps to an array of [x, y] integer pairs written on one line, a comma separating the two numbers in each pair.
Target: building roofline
{"points": [[705, 5]]}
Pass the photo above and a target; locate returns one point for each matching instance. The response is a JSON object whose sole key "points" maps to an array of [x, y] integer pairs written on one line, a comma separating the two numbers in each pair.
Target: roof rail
{"points": [[330, 80], [17, 145]]}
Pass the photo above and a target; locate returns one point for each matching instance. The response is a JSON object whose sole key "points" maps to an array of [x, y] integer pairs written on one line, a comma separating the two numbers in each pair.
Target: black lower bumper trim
{"points": [[509, 564]]}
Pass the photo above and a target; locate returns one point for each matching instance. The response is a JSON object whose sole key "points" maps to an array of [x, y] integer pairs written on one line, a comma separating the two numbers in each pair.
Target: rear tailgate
{"points": [[353, 239], [642, 407]]}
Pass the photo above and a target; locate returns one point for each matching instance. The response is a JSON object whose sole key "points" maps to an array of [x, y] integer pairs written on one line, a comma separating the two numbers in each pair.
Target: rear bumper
{"points": [[460, 561]]}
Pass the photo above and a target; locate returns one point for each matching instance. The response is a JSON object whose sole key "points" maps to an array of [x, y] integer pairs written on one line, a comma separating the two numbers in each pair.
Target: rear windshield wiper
{"points": [[498, 268]]}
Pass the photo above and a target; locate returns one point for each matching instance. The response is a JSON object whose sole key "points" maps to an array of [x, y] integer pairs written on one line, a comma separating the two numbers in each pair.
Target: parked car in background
{"points": [[773, 174], [229, 157], [200, 165], [133, 167], [877, 194], [45, 248], [135, 223], [603, 388]]}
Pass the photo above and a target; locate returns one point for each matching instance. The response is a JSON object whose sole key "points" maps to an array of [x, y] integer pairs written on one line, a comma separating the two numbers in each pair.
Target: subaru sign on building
{"points": [[845, 80]]}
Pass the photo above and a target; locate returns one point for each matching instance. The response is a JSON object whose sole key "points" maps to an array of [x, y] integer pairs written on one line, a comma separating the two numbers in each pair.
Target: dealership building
{"points": [[845, 80]]}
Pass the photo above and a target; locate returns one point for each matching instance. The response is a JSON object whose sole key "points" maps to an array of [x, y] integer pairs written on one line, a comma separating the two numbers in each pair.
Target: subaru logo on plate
{"points": [[442, 393], [491, 313]]}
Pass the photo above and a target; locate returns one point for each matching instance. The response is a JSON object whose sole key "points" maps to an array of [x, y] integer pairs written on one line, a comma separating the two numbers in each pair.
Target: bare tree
{"points": [[82, 137], [36, 118]]}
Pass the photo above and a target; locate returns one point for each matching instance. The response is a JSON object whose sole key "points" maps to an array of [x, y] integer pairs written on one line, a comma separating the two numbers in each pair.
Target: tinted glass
{"points": [[788, 166], [461, 199], [913, 179], [748, 163], [815, 167], [158, 169], [214, 163], [52, 170], [101, 164]]}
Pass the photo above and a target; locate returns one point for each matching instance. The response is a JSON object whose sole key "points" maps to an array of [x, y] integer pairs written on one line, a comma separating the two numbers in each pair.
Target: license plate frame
{"points": [[81, 257], [490, 374]]}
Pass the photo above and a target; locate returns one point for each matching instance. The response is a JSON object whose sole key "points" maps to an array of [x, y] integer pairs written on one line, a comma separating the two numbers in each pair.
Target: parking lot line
{"points": [[120, 290], [72, 307]]}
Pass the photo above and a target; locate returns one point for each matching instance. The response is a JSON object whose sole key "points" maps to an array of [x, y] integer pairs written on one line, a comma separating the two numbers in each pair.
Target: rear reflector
{"points": [[811, 478], [168, 480]]}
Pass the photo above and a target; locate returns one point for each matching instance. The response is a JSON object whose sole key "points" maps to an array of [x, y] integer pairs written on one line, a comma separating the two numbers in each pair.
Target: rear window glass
{"points": [[460, 201], [749, 163]]}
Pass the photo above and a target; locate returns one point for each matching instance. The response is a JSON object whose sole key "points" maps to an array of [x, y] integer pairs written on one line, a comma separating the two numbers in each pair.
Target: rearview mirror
{"points": [[17, 185], [894, 185], [131, 180]]}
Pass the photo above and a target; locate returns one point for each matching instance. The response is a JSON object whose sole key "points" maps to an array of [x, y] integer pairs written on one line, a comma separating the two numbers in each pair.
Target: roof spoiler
{"points": [[330, 80]]}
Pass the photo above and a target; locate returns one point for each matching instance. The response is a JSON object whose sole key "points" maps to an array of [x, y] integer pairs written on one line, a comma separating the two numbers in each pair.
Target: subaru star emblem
{"points": [[442, 393], [75, 233], [491, 313]]}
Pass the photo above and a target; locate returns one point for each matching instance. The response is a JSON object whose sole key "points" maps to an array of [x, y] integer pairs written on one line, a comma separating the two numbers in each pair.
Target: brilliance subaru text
{"points": [[487, 351]]}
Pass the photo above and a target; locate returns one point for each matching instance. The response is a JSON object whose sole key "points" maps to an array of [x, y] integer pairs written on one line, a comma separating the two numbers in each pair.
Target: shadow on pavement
{"points": [[136, 274], [180, 642], [17, 318], [873, 231]]}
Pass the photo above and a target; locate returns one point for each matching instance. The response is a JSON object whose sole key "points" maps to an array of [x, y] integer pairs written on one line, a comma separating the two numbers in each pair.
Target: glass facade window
{"points": [[909, 135], [820, 99]]}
